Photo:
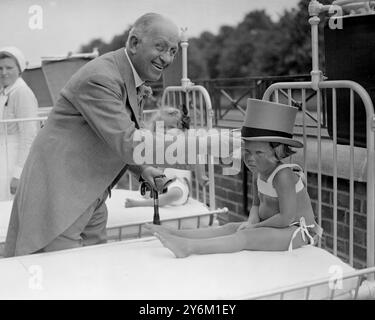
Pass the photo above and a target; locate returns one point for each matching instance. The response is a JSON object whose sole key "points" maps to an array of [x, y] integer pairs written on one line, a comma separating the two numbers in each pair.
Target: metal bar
{"points": [[351, 181], [325, 281], [334, 128], [319, 151], [307, 293], [360, 279], [332, 291], [202, 125], [234, 102], [303, 94], [181, 99], [195, 125], [295, 103], [174, 100]]}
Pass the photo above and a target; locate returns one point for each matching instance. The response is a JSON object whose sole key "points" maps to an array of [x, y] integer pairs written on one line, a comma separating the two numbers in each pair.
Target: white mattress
{"points": [[118, 215], [144, 269]]}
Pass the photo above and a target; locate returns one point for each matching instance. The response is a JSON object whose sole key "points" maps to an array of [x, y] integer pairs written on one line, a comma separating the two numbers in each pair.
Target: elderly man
{"points": [[87, 144]]}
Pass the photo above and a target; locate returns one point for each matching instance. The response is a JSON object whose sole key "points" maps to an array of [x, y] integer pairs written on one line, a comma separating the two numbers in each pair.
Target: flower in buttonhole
{"points": [[144, 91]]}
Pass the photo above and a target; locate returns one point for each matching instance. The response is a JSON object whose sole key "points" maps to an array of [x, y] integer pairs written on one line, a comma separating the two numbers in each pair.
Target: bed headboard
{"points": [[324, 156]]}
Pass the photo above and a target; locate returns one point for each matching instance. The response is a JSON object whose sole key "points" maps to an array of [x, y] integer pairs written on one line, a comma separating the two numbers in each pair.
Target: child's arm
{"points": [[254, 211], [172, 195], [284, 183]]}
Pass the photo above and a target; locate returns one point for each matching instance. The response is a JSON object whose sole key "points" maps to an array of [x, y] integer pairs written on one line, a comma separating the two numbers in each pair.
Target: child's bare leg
{"points": [[261, 239], [201, 233], [183, 247]]}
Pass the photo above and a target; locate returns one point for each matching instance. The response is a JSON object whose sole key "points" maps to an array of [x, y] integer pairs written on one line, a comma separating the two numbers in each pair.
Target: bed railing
{"points": [[332, 286], [201, 114], [323, 146], [319, 145]]}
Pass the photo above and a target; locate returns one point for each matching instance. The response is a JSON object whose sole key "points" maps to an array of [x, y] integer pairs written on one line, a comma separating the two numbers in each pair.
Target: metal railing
{"points": [[229, 95], [355, 88]]}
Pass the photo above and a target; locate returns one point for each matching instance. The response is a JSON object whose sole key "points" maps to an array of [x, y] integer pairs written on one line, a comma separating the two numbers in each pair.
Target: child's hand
{"points": [[245, 225], [254, 215], [129, 203]]}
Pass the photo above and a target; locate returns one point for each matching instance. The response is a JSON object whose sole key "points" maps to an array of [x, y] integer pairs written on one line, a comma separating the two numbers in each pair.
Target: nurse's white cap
{"points": [[17, 54]]}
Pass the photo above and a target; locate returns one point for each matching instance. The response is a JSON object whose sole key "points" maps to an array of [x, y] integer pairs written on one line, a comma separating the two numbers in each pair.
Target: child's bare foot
{"points": [[177, 245]]}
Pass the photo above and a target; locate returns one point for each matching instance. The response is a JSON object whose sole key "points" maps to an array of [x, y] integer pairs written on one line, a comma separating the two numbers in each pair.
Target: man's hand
{"points": [[155, 177], [13, 185]]}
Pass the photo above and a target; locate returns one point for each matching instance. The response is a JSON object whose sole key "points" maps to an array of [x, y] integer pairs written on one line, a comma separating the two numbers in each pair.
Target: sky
{"points": [[56, 27]]}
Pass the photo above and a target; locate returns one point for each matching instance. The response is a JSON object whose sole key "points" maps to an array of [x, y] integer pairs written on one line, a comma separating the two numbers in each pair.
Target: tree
{"points": [[257, 46]]}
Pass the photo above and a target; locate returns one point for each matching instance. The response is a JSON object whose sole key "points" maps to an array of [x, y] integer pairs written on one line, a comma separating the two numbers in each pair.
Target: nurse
{"points": [[16, 101]]}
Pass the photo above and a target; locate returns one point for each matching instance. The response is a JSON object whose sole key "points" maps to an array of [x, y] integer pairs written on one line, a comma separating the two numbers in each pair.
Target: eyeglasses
{"points": [[164, 49]]}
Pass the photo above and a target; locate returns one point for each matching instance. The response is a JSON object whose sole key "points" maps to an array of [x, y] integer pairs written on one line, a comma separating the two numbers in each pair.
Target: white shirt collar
{"points": [[137, 79]]}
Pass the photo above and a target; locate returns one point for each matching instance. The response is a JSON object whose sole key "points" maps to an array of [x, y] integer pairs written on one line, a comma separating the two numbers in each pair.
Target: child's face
{"points": [[258, 155]]}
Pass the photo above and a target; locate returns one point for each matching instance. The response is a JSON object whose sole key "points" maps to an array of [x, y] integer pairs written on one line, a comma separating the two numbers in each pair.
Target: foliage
{"points": [[257, 46]]}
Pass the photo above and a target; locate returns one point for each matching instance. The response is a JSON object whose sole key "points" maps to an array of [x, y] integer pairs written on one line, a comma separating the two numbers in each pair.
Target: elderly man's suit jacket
{"points": [[84, 145]]}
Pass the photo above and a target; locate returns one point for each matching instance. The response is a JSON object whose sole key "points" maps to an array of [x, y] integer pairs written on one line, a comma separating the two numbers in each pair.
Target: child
{"points": [[179, 190], [281, 217]]}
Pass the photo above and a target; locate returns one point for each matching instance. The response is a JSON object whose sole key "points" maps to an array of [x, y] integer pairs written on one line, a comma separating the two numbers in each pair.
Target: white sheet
{"points": [[144, 269], [118, 215]]}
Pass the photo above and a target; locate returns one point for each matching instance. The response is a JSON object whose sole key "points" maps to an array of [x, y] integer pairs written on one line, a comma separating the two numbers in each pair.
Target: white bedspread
{"points": [[118, 215], [144, 269]]}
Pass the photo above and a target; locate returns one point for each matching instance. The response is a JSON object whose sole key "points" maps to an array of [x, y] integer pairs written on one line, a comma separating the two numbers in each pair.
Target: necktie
{"points": [[143, 92]]}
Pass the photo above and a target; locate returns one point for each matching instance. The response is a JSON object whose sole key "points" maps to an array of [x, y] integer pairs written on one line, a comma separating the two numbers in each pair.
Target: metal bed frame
{"points": [[365, 288]]}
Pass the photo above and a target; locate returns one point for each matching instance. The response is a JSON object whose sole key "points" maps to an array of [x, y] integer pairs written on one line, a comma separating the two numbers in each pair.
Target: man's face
{"points": [[155, 51], [9, 72]]}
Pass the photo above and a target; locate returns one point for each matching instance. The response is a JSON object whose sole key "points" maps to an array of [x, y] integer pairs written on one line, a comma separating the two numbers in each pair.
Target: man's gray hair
{"points": [[143, 25]]}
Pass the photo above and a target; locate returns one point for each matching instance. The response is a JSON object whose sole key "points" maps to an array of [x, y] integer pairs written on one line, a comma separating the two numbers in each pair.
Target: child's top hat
{"points": [[269, 122]]}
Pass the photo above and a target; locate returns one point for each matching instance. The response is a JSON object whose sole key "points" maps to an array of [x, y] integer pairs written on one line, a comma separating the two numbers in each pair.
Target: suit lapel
{"points": [[128, 77]]}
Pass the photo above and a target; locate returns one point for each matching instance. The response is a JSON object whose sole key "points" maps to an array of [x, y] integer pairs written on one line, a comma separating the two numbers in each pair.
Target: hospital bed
{"points": [[144, 269]]}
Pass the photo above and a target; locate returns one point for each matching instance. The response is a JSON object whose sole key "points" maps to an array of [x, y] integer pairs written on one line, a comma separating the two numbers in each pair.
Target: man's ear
{"points": [[133, 43]]}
